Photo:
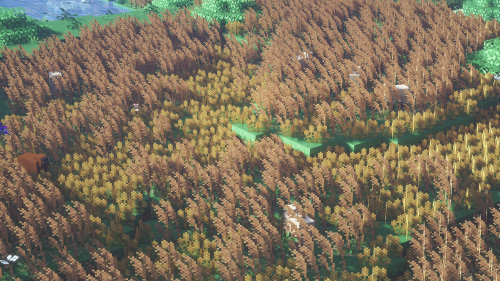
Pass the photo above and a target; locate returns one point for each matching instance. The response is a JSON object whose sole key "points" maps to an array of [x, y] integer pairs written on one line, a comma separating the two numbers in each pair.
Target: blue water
{"points": [[51, 9]]}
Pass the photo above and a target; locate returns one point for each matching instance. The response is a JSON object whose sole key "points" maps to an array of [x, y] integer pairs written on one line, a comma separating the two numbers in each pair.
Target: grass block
{"points": [[397, 267], [308, 148], [464, 215], [128, 230], [138, 216], [385, 229], [84, 257], [416, 138], [461, 216], [243, 132], [297, 143], [118, 251], [356, 145], [153, 224], [154, 196], [354, 266], [487, 104], [115, 250]]}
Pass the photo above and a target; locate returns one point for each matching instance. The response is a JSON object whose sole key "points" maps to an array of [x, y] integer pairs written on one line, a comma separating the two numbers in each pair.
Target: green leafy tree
{"points": [[488, 9], [170, 5], [488, 59], [223, 11]]}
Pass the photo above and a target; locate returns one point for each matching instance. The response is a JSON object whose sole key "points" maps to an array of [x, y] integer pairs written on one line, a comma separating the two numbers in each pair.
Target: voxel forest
{"points": [[296, 140]]}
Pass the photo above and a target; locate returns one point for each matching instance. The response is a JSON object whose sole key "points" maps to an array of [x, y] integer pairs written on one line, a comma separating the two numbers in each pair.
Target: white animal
{"points": [[10, 259]]}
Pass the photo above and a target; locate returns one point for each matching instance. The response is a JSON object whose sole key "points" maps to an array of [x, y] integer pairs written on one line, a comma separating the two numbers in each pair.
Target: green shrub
{"points": [[17, 28], [488, 59], [455, 4], [171, 5], [488, 9], [223, 11], [452, 4]]}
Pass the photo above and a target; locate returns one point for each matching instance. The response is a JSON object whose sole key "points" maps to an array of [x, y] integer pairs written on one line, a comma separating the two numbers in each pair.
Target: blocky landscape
{"points": [[287, 140]]}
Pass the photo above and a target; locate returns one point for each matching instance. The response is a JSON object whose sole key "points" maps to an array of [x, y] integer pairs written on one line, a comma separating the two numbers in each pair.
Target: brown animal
{"points": [[33, 162]]}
